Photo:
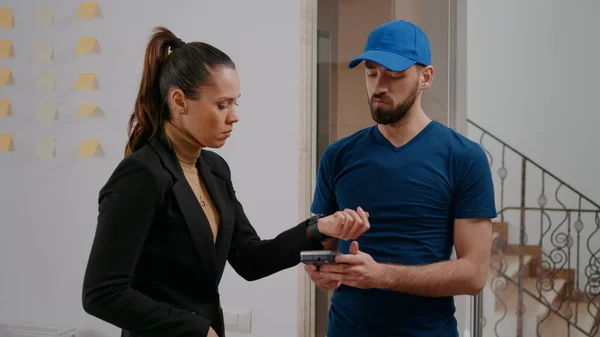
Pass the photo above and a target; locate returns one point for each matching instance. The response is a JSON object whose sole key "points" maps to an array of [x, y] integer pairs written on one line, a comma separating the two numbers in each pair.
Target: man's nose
{"points": [[380, 86]]}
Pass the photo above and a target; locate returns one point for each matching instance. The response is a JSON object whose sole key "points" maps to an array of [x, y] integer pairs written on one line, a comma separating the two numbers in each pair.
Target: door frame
{"points": [[307, 141], [457, 116]]}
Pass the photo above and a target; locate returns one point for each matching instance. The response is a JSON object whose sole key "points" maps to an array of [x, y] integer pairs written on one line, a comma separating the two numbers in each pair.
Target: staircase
{"points": [[551, 308], [544, 276]]}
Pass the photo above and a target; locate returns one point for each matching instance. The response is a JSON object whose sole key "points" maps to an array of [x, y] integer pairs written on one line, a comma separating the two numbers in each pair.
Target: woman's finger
{"points": [[360, 225], [347, 227]]}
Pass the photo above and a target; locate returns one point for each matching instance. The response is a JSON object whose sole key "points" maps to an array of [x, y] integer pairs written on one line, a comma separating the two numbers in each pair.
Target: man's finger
{"points": [[332, 268], [333, 276], [351, 283], [310, 267], [354, 248], [329, 284], [349, 259]]}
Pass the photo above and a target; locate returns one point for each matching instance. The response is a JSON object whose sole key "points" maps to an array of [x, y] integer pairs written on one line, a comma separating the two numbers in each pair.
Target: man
{"points": [[426, 188]]}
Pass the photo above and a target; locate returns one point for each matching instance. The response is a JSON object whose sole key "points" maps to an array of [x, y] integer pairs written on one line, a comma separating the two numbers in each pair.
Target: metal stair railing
{"points": [[556, 242]]}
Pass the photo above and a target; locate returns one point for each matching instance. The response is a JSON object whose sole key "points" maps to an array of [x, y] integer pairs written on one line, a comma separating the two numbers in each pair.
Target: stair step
{"points": [[502, 288], [534, 307], [512, 266], [579, 314]]}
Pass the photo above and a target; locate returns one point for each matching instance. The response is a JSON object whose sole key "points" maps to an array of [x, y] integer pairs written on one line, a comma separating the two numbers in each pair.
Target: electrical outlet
{"points": [[238, 320]]}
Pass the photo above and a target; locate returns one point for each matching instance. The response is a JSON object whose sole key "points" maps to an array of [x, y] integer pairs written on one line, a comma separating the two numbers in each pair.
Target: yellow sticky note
{"points": [[6, 49], [88, 10], [48, 112], [6, 142], [89, 110], [45, 15], [46, 147], [86, 81], [45, 80], [43, 51], [88, 45], [5, 109], [6, 76], [90, 148], [6, 18]]}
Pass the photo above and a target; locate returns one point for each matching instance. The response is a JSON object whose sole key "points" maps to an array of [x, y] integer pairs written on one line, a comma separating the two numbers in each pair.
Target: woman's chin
{"points": [[216, 144]]}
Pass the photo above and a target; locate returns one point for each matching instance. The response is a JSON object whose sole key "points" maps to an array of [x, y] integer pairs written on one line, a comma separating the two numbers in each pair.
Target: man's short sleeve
{"points": [[474, 196], [324, 201]]}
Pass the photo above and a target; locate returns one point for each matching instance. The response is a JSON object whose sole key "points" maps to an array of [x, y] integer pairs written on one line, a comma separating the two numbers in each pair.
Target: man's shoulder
{"points": [[346, 143], [458, 145]]}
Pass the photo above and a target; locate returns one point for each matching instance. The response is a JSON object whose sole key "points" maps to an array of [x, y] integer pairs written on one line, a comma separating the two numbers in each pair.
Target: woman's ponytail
{"points": [[146, 117]]}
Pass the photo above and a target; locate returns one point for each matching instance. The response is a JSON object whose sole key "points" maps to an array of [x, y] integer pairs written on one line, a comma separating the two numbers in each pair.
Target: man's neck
{"points": [[406, 129]]}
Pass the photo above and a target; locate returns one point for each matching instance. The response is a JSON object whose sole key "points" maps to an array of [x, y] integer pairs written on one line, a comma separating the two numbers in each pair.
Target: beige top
{"points": [[188, 151]]}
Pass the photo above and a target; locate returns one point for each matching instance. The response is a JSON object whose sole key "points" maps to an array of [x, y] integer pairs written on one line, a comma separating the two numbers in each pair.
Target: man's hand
{"points": [[313, 272], [356, 269], [346, 225]]}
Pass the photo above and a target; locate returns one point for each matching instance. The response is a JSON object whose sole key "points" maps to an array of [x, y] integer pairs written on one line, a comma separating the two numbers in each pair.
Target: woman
{"points": [[168, 215]]}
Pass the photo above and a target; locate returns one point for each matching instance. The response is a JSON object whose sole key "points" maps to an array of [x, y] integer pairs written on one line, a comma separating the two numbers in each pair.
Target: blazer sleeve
{"points": [[126, 208], [254, 258]]}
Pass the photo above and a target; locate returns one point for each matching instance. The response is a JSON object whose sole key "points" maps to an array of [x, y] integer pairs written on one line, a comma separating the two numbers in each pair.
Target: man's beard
{"points": [[396, 113]]}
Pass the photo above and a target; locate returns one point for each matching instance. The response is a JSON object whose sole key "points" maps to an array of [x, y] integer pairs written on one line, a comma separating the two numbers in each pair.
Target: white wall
{"points": [[49, 206], [532, 81]]}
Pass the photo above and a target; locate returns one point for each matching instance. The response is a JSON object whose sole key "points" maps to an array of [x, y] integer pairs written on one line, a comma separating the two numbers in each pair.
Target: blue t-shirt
{"points": [[413, 194]]}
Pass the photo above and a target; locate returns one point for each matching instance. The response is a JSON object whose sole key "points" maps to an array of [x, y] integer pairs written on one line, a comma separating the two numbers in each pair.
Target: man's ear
{"points": [[427, 74]]}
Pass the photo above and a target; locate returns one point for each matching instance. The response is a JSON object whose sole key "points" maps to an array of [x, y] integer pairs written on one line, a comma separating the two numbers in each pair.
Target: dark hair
{"points": [[186, 67]]}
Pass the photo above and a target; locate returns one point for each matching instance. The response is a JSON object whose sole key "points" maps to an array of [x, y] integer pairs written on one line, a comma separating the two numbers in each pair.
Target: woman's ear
{"points": [[177, 101]]}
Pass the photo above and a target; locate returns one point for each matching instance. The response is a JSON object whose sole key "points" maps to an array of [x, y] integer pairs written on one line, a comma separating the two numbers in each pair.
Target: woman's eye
{"points": [[225, 106]]}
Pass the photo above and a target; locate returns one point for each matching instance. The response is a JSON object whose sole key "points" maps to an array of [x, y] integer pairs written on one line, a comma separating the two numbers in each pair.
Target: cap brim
{"points": [[391, 61]]}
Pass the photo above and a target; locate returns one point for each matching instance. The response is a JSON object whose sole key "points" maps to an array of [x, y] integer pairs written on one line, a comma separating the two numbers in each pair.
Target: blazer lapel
{"points": [[191, 210], [217, 188]]}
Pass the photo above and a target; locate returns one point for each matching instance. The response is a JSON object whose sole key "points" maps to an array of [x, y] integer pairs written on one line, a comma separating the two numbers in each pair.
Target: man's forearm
{"points": [[449, 278]]}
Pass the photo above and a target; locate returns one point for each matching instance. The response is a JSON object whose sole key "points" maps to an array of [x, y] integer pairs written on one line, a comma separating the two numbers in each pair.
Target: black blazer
{"points": [[154, 270]]}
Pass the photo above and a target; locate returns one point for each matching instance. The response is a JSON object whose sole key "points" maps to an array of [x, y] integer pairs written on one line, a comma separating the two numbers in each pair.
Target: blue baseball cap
{"points": [[396, 45]]}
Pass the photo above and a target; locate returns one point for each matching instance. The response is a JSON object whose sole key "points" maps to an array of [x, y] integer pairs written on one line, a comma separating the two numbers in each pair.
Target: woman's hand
{"points": [[346, 225], [211, 333]]}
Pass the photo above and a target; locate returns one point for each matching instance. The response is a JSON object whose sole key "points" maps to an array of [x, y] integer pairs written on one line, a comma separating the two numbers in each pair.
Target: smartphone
{"points": [[318, 257]]}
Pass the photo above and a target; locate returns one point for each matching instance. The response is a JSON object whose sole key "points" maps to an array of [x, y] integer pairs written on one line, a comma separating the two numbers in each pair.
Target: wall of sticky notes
{"points": [[50, 66]]}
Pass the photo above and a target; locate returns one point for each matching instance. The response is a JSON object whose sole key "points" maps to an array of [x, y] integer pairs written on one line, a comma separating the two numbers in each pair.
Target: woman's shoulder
{"points": [[144, 161], [217, 162], [145, 154]]}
